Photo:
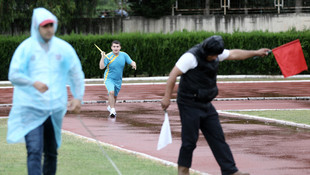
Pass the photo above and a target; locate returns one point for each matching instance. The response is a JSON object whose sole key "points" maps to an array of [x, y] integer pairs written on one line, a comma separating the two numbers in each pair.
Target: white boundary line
{"points": [[263, 119], [164, 162], [7, 84], [174, 100], [299, 109], [6, 105], [263, 81]]}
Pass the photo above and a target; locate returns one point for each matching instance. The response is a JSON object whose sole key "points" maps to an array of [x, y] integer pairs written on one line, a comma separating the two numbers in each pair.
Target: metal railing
{"points": [[239, 7]]}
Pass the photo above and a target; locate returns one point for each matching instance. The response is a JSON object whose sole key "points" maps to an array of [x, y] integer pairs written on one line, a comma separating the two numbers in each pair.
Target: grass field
{"points": [[79, 156]]}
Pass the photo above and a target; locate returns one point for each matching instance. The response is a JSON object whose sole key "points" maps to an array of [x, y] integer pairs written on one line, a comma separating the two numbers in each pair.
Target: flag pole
{"points": [[102, 51]]}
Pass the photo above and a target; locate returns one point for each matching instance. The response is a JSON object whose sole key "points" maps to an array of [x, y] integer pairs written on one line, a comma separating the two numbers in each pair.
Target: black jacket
{"points": [[198, 85]]}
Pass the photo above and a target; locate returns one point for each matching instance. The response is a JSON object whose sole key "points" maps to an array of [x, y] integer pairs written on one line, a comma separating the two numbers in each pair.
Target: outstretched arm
{"points": [[239, 54], [165, 102]]}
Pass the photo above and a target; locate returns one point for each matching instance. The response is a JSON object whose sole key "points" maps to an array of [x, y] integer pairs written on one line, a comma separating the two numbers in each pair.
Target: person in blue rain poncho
{"points": [[40, 69]]}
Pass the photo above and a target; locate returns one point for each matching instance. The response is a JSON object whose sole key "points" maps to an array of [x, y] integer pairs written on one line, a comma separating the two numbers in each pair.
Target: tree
{"points": [[151, 8], [65, 10]]}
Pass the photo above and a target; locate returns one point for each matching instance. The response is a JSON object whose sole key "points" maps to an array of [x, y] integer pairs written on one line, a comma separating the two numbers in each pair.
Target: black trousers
{"points": [[206, 119]]}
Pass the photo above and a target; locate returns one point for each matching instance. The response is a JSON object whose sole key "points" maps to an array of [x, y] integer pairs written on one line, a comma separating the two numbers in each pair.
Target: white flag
{"points": [[165, 134]]}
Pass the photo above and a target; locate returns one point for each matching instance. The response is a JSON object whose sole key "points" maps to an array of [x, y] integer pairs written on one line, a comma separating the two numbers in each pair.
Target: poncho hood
{"points": [[213, 45], [40, 15]]}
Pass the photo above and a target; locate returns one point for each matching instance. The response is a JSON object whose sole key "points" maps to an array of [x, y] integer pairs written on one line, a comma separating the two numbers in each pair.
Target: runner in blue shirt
{"points": [[114, 62]]}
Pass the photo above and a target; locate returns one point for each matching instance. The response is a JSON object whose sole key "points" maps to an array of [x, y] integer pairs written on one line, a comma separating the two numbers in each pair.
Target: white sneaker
{"points": [[109, 108], [112, 113]]}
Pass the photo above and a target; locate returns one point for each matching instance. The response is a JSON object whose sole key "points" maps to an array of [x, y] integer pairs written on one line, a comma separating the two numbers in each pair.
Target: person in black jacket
{"points": [[197, 88]]}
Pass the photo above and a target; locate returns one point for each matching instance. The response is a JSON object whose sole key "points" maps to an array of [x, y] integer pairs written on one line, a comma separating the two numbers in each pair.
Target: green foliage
{"points": [[65, 10], [110, 6], [151, 8], [106, 5], [8, 46], [156, 54]]}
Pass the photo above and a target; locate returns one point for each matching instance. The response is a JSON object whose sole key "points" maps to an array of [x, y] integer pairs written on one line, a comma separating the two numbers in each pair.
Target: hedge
{"points": [[156, 54]]}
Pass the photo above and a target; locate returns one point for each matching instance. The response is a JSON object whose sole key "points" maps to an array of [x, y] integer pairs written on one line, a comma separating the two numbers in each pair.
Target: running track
{"points": [[258, 147]]}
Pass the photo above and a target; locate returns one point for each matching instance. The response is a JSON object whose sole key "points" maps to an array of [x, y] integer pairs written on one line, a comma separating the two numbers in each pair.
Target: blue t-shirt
{"points": [[115, 65]]}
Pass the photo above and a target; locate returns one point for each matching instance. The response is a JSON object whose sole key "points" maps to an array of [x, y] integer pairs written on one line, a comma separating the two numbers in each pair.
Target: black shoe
{"points": [[112, 115]]}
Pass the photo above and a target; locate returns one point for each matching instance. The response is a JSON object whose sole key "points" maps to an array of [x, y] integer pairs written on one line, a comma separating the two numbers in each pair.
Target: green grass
{"points": [[76, 153], [79, 156], [297, 116]]}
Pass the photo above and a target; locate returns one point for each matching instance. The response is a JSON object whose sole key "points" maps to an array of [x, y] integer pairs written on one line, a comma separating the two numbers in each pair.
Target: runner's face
{"points": [[116, 48], [47, 31]]}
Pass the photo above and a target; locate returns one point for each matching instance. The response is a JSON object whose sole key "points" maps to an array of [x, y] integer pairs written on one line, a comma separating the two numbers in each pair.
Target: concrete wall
{"points": [[168, 24], [227, 23]]}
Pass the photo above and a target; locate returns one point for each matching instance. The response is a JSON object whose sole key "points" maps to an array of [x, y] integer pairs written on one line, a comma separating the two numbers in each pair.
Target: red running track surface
{"points": [[258, 147]]}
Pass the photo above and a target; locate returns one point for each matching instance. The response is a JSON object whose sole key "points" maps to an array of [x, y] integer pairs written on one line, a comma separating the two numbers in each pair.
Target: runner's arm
{"points": [[102, 60], [133, 65]]}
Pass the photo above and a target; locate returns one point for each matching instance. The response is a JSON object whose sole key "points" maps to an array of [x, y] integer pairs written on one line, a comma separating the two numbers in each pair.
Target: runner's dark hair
{"points": [[116, 42]]}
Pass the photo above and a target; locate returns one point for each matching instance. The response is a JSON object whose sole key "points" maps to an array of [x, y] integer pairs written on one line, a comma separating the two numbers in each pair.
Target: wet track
{"points": [[258, 147]]}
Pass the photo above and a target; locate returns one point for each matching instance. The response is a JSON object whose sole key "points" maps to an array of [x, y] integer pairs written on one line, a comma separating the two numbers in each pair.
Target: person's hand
{"points": [[74, 106], [263, 52], [40, 86], [133, 65], [103, 55], [165, 102]]}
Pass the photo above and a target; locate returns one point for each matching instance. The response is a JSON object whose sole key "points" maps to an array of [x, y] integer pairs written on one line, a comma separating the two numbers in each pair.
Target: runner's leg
{"points": [[111, 99]]}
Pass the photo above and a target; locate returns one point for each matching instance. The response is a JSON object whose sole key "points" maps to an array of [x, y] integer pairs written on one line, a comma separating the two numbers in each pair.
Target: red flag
{"points": [[290, 58]]}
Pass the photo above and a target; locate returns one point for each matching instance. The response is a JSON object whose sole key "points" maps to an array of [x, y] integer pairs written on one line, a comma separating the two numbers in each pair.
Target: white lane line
{"points": [[263, 119]]}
